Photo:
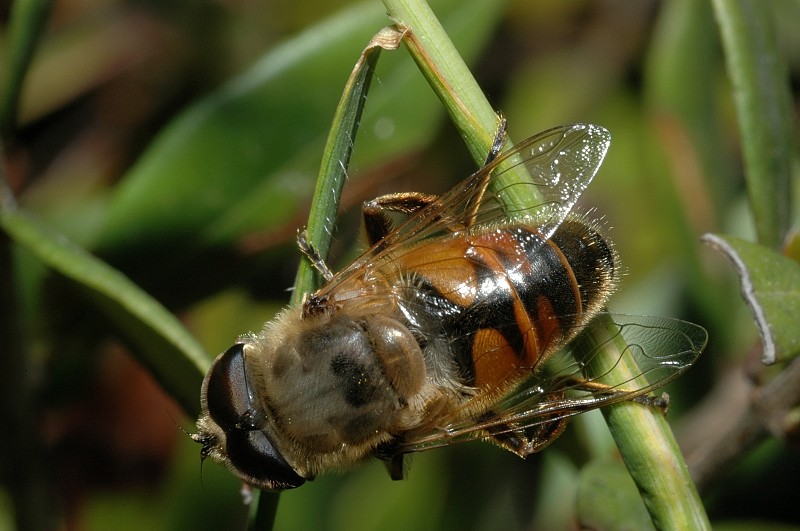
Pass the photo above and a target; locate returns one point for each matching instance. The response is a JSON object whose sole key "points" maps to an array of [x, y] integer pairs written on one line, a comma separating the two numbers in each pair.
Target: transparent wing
{"points": [[574, 381], [558, 165]]}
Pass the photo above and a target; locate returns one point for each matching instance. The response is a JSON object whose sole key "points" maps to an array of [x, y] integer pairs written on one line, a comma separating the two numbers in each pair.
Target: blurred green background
{"points": [[179, 141]]}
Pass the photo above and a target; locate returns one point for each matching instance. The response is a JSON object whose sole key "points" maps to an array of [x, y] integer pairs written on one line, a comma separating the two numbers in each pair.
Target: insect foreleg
{"points": [[313, 255]]}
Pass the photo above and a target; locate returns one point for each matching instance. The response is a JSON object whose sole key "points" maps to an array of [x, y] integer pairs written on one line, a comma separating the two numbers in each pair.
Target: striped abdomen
{"points": [[502, 300]]}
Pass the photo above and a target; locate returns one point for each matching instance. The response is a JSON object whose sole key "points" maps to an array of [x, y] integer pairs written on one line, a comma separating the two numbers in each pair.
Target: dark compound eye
{"points": [[231, 405], [253, 455], [228, 392]]}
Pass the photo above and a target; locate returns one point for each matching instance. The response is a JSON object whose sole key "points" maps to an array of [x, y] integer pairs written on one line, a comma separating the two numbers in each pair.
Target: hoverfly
{"points": [[452, 326]]}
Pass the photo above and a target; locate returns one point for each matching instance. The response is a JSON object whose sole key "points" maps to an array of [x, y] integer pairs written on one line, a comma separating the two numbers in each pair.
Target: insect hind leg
{"points": [[527, 441], [497, 146], [660, 403], [377, 223]]}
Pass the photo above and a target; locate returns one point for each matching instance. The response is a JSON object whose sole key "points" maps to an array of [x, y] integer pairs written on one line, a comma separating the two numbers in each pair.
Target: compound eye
{"points": [[228, 392], [231, 405], [257, 461]]}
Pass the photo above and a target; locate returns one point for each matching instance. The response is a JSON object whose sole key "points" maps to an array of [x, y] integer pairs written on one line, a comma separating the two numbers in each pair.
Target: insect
{"points": [[454, 325]]}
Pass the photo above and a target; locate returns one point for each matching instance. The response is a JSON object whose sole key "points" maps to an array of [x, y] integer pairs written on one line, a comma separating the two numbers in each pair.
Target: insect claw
{"points": [[660, 403], [499, 139]]}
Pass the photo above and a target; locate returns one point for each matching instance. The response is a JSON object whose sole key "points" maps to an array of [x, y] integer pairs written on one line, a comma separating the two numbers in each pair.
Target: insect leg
{"points": [[395, 467], [378, 224], [530, 440], [497, 145], [313, 255], [659, 402], [499, 138], [392, 458]]}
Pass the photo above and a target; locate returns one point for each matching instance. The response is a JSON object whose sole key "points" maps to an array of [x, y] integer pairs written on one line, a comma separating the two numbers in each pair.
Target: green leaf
{"points": [[171, 353], [244, 158], [760, 80], [258, 135], [770, 285]]}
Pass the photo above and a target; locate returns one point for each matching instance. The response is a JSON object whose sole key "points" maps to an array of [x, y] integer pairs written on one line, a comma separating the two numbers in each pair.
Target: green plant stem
{"points": [[453, 83], [262, 510], [658, 469], [446, 72], [645, 440], [762, 96], [23, 472]]}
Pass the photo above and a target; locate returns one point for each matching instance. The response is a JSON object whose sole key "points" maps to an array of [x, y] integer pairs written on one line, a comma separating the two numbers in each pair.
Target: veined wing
{"points": [[558, 165]]}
